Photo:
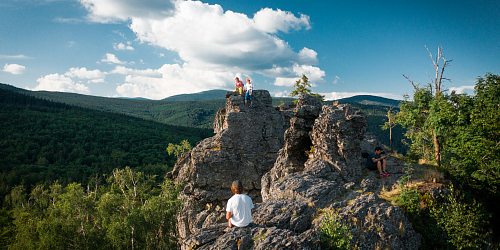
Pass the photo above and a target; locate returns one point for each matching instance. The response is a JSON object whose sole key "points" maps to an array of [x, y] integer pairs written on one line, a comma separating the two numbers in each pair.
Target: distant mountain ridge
{"points": [[216, 94], [204, 95], [201, 113], [371, 100]]}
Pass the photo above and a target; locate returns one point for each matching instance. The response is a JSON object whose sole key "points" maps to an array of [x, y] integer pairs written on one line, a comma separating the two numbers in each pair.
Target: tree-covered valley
{"points": [[48, 146]]}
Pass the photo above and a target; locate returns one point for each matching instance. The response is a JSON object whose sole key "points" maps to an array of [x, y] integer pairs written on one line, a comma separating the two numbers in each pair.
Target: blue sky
{"points": [[159, 48]]}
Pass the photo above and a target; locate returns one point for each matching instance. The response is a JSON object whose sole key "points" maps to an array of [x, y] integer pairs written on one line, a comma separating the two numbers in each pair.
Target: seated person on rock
{"points": [[239, 209], [377, 161], [238, 86]]}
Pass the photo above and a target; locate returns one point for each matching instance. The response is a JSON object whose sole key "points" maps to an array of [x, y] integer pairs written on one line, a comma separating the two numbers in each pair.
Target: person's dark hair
{"points": [[237, 187], [378, 148]]}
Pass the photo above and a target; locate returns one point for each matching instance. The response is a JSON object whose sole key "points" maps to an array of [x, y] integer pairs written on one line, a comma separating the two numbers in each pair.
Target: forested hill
{"points": [[370, 100], [196, 114], [44, 141], [205, 95]]}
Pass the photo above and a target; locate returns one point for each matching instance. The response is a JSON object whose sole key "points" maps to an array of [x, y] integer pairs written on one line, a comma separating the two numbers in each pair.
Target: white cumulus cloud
{"points": [[207, 37], [60, 83], [94, 76], [15, 69], [112, 59], [314, 74], [272, 21], [122, 46], [136, 72], [461, 89], [170, 79], [281, 94], [84, 73], [337, 79], [106, 11]]}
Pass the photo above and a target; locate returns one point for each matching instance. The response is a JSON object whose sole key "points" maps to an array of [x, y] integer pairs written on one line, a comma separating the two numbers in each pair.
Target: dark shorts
{"points": [[372, 166]]}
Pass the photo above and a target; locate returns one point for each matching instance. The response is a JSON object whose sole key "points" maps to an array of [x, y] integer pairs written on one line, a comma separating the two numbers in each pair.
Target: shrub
{"points": [[464, 223], [334, 234], [409, 198]]}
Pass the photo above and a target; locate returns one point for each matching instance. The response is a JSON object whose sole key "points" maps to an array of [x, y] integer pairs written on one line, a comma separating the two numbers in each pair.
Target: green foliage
{"points": [[415, 116], [320, 97], [178, 149], [130, 211], [334, 234], [409, 197], [474, 151], [464, 223], [467, 128], [301, 87]]}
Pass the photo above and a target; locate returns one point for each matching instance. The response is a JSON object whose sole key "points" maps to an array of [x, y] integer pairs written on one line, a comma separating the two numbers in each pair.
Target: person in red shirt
{"points": [[238, 86]]}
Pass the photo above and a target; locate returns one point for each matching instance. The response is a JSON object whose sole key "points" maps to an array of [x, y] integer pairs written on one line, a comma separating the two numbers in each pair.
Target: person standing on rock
{"points": [[238, 86], [377, 161], [239, 210], [249, 95]]}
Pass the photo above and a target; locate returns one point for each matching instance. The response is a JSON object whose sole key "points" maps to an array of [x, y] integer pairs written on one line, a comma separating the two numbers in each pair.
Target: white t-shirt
{"points": [[248, 87], [240, 205]]}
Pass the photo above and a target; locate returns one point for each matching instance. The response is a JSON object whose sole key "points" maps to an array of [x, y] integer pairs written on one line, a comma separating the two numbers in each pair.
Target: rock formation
{"points": [[294, 165], [244, 148]]}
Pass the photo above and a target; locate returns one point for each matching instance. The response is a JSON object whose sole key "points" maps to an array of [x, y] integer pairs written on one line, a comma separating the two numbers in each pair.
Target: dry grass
{"points": [[391, 195], [433, 175]]}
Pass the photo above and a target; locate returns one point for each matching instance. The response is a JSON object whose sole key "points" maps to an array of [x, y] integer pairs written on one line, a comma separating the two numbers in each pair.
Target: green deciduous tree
{"points": [[474, 151], [184, 146], [130, 212]]}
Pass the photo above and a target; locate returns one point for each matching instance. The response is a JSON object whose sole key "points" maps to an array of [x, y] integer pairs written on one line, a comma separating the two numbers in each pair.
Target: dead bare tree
{"points": [[440, 63], [390, 124]]}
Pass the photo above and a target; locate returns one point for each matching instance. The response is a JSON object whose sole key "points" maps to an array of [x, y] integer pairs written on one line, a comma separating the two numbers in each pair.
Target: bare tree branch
{"points": [[408, 78]]}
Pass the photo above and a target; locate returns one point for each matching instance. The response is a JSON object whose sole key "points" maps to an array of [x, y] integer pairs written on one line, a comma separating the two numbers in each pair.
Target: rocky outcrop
{"points": [[244, 148], [314, 166]]}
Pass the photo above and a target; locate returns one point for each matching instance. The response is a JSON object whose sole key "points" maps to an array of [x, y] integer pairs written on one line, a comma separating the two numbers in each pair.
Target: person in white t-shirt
{"points": [[239, 210], [249, 95]]}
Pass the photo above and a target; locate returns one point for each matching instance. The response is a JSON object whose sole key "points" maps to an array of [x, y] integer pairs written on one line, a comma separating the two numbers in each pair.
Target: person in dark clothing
{"points": [[376, 161]]}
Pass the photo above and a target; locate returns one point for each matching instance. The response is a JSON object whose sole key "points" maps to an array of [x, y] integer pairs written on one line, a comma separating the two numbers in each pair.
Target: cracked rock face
{"points": [[314, 166], [377, 225]]}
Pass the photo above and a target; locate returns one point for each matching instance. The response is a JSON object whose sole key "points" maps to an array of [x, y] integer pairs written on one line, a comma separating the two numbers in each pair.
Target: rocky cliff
{"points": [[295, 163]]}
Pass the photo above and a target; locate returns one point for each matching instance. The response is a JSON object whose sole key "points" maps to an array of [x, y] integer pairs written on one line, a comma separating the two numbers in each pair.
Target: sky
{"points": [[158, 48]]}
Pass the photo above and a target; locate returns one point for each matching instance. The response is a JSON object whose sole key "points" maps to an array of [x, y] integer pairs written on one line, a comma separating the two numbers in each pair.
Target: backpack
{"points": [[365, 155]]}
